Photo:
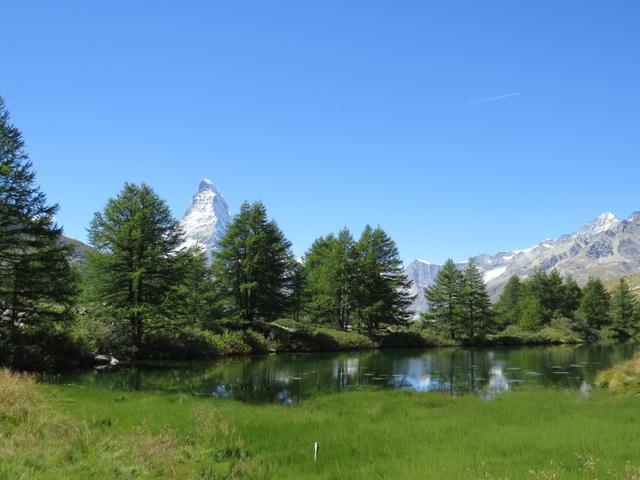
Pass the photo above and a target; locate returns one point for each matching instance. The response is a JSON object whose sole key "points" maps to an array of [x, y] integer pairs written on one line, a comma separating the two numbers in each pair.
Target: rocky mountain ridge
{"points": [[606, 247]]}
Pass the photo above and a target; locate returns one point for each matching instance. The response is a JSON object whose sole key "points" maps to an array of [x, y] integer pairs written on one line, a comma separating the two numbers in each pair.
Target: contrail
{"points": [[499, 97]]}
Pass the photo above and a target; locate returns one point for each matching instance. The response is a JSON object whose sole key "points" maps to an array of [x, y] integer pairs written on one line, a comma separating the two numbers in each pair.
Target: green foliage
{"points": [[360, 284], [308, 337], [330, 266], [134, 270], [382, 289], [460, 304], [593, 313], [530, 313], [476, 315], [624, 310], [37, 283], [507, 308], [444, 299], [559, 331], [254, 266], [533, 303]]}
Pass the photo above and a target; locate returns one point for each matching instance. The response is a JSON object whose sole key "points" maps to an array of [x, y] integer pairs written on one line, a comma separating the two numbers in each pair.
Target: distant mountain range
{"points": [[606, 248]]}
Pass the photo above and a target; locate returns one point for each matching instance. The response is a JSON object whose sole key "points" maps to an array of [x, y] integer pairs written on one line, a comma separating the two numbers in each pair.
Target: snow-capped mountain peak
{"points": [[206, 184], [602, 223], [606, 248], [206, 220]]}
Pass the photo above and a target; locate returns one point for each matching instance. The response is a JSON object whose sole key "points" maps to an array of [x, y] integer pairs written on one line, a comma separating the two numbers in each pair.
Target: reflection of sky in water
{"points": [[416, 374], [498, 382], [288, 379]]}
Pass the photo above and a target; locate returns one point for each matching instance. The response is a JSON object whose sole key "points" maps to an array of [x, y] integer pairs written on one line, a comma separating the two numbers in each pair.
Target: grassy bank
{"points": [[622, 378], [69, 432]]}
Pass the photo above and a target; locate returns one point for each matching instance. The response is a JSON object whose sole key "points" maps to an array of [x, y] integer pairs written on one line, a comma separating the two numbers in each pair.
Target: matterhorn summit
{"points": [[206, 220]]}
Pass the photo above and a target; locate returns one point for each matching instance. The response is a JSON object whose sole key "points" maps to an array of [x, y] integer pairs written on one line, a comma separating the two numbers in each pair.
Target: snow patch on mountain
{"points": [[495, 273], [605, 247]]}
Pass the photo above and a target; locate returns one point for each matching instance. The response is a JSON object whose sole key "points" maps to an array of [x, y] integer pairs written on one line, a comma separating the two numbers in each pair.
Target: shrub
{"points": [[44, 348], [305, 337], [186, 343]]}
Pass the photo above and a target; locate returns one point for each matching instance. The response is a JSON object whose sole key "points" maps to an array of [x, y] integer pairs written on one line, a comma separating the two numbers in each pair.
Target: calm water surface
{"points": [[290, 378]]}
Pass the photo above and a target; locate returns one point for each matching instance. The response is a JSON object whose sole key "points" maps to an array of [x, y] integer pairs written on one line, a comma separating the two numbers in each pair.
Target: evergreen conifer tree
{"points": [[476, 316], [593, 313], [134, 269], [331, 267], [623, 310], [37, 283], [383, 296], [253, 267], [506, 308], [444, 298]]}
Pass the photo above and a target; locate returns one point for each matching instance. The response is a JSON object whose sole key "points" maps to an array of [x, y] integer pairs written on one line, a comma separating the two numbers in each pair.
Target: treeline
{"points": [[141, 295], [544, 302]]}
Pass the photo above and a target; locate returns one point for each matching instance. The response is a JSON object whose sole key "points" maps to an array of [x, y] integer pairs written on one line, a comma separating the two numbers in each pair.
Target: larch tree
{"points": [[37, 283], [476, 315], [253, 268], [382, 289], [623, 310], [135, 267], [444, 299]]}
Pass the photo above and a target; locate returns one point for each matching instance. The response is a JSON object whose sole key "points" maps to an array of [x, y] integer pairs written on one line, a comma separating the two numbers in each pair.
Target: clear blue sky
{"points": [[338, 113]]}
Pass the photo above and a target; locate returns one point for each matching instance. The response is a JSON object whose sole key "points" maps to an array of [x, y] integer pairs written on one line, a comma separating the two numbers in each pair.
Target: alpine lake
{"points": [[289, 379]]}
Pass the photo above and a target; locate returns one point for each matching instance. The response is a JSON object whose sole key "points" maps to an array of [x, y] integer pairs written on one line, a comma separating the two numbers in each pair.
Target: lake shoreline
{"points": [[362, 434]]}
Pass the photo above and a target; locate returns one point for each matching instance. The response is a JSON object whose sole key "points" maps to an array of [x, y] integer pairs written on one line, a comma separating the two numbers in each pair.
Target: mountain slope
{"points": [[206, 219], [605, 248], [77, 249]]}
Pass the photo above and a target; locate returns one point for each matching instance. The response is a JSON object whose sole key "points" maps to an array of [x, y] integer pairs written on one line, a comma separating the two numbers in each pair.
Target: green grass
{"points": [[70, 432], [622, 378]]}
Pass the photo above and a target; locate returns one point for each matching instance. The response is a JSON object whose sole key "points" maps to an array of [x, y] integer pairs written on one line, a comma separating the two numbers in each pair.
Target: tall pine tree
{"points": [[382, 289], [476, 315], [331, 269], [134, 269], [507, 309], [37, 284], [253, 268], [593, 313], [444, 299], [623, 310]]}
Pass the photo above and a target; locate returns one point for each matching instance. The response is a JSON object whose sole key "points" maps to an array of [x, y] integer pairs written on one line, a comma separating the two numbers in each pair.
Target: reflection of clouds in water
{"points": [[498, 382], [351, 366], [417, 376], [284, 396], [221, 391], [282, 376], [585, 389], [346, 367]]}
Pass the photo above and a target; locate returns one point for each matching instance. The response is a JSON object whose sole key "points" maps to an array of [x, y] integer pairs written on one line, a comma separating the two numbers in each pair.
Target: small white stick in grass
{"points": [[316, 449]]}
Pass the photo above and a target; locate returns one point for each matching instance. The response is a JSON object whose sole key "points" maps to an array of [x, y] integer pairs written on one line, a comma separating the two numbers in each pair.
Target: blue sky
{"points": [[338, 113]]}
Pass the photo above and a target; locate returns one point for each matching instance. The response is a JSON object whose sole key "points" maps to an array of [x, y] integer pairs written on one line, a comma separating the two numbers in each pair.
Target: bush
{"points": [[47, 347], [311, 338], [233, 343], [557, 332], [186, 343]]}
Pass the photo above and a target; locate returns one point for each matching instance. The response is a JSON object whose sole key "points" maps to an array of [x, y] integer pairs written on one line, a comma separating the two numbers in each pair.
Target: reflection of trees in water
{"points": [[289, 378]]}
